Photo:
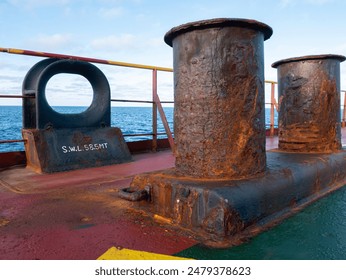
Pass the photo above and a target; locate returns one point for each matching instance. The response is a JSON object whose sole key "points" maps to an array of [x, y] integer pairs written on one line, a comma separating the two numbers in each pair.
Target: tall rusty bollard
{"points": [[309, 103], [219, 97]]}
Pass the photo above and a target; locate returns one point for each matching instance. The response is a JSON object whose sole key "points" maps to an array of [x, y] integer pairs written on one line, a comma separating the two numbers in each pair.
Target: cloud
{"points": [[155, 42], [111, 13], [341, 48], [113, 42], [287, 3], [30, 4], [318, 2], [54, 41]]}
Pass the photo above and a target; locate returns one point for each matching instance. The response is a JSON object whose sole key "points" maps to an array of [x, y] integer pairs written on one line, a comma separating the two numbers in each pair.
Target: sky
{"points": [[133, 30]]}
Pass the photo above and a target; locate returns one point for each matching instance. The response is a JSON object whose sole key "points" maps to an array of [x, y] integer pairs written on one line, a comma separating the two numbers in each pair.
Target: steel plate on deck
{"points": [[55, 150]]}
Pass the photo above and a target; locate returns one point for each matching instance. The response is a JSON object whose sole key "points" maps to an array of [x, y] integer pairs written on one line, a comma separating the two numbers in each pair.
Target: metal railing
{"points": [[156, 102]]}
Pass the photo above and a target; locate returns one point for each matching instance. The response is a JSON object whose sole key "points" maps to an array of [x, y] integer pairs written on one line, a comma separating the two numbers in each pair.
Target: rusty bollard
{"points": [[219, 97], [309, 103], [218, 188]]}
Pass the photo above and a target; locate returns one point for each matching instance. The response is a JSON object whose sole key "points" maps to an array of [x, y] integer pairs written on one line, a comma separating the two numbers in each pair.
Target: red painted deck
{"points": [[77, 214]]}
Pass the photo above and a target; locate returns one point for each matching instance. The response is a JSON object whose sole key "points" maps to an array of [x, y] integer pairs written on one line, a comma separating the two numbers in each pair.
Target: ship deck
{"points": [[78, 215]]}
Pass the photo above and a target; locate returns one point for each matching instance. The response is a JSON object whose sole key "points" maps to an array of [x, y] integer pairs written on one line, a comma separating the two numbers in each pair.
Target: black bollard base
{"points": [[53, 150], [226, 212]]}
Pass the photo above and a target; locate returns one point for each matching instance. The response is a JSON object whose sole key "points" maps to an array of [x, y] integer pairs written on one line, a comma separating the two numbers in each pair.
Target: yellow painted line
{"points": [[270, 82], [16, 51], [126, 254], [95, 60], [141, 66]]}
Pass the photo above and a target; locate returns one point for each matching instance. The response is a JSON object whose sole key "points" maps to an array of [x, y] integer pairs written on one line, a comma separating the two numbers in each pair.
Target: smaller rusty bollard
{"points": [[309, 103], [59, 142]]}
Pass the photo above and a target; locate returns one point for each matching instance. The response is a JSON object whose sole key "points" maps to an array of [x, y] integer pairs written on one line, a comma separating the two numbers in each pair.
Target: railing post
{"points": [[272, 103], [154, 114], [159, 107], [344, 111]]}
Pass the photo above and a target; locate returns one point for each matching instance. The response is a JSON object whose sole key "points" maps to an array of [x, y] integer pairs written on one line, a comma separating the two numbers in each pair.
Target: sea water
{"points": [[131, 120]]}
